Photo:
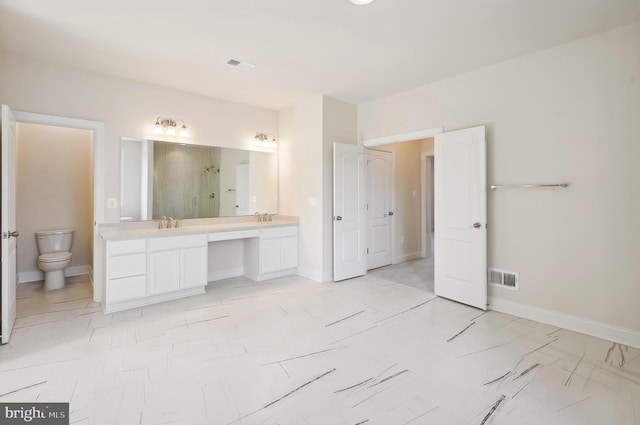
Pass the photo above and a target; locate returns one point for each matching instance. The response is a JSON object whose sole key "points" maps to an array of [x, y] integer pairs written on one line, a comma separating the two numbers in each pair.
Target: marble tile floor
{"points": [[417, 273], [293, 351]]}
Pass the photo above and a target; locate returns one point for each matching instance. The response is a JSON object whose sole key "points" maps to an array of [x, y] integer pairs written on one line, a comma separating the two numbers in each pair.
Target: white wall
{"points": [[53, 192], [300, 183], [307, 133], [127, 108], [570, 113]]}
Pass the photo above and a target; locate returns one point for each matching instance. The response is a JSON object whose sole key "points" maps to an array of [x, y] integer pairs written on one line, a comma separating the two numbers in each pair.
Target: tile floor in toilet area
{"points": [[369, 350]]}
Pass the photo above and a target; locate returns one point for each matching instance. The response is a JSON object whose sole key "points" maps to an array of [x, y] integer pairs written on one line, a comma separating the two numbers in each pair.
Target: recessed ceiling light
{"points": [[360, 2]]}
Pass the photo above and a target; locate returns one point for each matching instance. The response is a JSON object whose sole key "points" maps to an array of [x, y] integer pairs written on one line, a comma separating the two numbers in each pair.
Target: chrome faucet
{"points": [[263, 218], [167, 225]]}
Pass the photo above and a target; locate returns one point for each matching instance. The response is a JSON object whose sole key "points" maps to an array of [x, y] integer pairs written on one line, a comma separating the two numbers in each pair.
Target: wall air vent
{"points": [[237, 63], [504, 278]]}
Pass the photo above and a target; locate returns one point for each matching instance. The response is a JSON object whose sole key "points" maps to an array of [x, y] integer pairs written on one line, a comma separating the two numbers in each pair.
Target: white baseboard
{"points": [[37, 275], [212, 276], [315, 275], [607, 332], [407, 257]]}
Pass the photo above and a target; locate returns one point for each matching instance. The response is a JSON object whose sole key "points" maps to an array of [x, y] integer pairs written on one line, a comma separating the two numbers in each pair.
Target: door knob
{"points": [[9, 235], [477, 225], [338, 218], [390, 213]]}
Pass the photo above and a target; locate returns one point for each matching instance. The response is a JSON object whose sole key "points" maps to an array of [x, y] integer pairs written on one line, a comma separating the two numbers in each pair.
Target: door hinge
{"points": [[367, 250]]}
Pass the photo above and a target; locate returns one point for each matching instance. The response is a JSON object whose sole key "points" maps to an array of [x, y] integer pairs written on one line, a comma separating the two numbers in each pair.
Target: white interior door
{"points": [[461, 216], [8, 223], [242, 189], [379, 212], [349, 219]]}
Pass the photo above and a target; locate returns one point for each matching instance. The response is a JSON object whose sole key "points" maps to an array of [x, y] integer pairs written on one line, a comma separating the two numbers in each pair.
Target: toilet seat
{"points": [[54, 257]]}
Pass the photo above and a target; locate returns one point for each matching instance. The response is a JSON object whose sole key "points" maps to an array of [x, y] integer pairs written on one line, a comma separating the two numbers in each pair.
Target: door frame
{"points": [[426, 193], [98, 148], [400, 138]]}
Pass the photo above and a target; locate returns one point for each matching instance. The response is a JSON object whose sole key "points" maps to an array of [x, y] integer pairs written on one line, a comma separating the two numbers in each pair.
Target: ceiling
{"points": [[300, 47]]}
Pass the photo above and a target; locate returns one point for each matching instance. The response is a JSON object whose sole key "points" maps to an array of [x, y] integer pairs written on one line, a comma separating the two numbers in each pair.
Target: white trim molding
{"points": [[314, 275], [37, 275], [607, 332], [407, 257], [404, 137]]}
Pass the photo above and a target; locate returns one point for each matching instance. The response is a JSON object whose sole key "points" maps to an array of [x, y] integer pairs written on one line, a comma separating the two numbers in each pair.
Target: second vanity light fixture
{"points": [[168, 126], [262, 139]]}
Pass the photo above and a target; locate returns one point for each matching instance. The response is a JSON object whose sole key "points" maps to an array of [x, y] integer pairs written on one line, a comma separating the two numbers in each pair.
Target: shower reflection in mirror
{"points": [[192, 181]]}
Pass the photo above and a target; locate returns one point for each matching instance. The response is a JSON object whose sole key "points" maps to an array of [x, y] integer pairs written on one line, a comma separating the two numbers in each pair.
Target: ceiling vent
{"points": [[504, 278], [237, 63]]}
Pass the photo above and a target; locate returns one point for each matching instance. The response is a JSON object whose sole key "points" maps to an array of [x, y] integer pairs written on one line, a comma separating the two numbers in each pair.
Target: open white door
{"points": [[8, 223], [379, 212], [349, 231], [461, 216]]}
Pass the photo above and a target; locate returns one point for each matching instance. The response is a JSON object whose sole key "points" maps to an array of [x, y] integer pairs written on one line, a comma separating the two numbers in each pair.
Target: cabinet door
{"points": [[289, 253], [270, 255], [164, 271], [193, 267]]}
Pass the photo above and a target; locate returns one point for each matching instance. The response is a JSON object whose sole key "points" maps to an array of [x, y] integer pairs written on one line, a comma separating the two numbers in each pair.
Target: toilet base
{"points": [[54, 280]]}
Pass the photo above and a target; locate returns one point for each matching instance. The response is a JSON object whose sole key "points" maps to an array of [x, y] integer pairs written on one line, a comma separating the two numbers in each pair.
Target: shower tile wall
{"points": [[185, 181]]}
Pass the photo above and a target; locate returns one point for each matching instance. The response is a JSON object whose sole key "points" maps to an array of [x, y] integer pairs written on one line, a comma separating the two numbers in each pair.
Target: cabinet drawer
{"points": [[127, 265], [127, 247], [278, 232], [177, 242], [126, 288]]}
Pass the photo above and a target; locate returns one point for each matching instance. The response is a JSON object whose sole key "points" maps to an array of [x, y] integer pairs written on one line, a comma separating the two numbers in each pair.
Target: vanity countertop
{"points": [[150, 230]]}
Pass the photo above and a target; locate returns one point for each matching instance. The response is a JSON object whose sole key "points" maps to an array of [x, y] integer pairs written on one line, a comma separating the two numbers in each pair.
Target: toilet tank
{"points": [[56, 240]]}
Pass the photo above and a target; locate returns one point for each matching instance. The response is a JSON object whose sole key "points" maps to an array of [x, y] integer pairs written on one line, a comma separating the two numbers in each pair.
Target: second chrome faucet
{"points": [[263, 218]]}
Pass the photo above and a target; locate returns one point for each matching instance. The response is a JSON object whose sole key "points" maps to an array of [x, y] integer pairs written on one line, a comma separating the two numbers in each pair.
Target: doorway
{"points": [[98, 179], [53, 191], [411, 230]]}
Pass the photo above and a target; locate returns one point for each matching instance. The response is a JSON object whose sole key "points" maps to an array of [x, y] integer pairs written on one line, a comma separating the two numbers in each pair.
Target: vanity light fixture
{"points": [[262, 139], [360, 2], [168, 126]]}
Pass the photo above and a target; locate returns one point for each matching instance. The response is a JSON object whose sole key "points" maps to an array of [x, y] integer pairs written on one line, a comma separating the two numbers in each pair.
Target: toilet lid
{"points": [[52, 257]]}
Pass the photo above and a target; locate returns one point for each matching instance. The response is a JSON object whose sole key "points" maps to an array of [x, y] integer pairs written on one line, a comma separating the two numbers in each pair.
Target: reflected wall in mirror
{"points": [[191, 181]]}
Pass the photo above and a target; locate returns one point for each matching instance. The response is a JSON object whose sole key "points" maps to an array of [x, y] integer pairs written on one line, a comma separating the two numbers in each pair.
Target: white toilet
{"points": [[54, 247]]}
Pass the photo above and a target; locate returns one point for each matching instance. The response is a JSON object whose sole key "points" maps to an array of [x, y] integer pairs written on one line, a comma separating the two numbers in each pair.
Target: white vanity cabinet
{"points": [[126, 270], [177, 262], [274, 254], [151, 270], [149, 266]]}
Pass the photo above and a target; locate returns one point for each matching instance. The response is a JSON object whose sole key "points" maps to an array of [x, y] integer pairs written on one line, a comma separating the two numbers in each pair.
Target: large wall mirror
{"points": [[191, 181]]}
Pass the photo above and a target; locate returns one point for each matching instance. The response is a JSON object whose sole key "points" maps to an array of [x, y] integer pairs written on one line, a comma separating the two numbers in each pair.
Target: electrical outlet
{"points": [[112, 203]]}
